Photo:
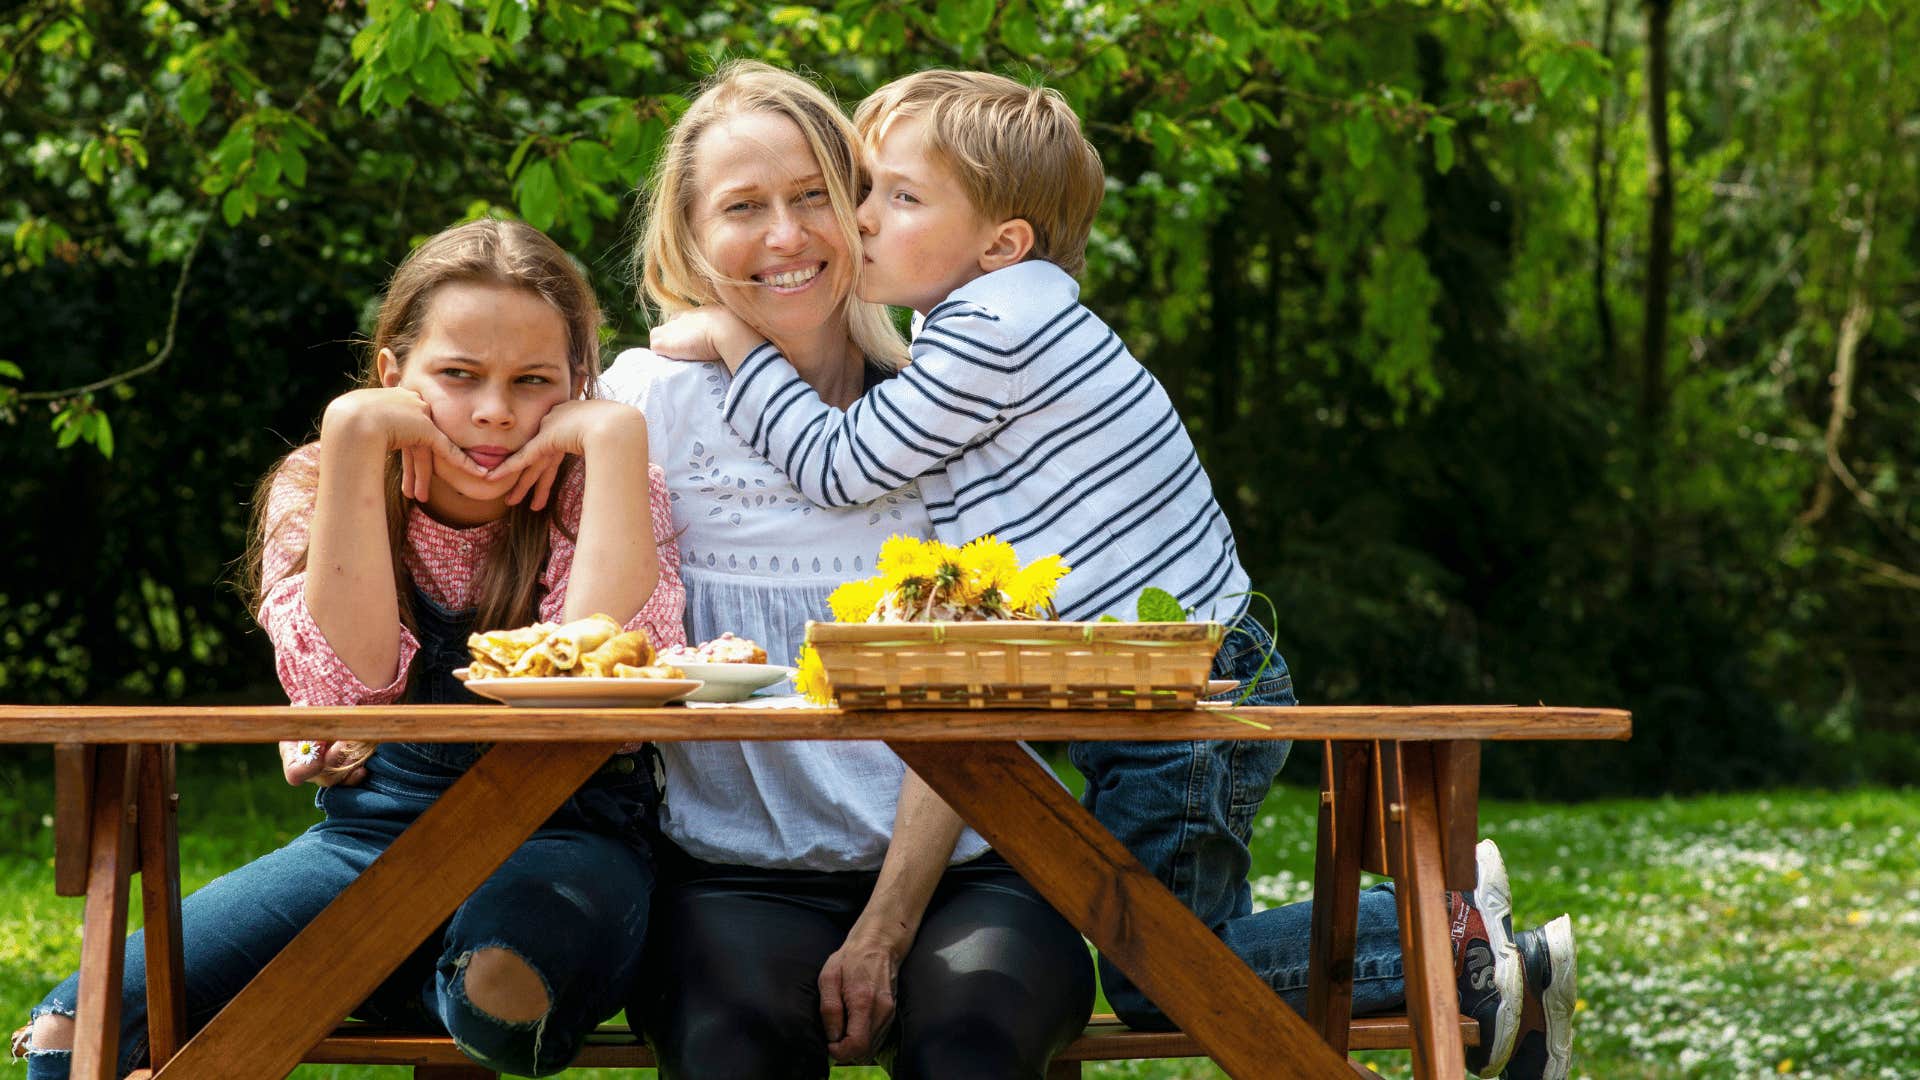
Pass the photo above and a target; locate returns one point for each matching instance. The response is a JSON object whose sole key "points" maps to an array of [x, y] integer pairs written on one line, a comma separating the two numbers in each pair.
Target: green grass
{"points": [[1729, 936]]}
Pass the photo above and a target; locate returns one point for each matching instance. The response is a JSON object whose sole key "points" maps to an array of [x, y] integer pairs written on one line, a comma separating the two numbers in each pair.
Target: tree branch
{"points": [[1887, 572], [1853, 327], [166, 348]]}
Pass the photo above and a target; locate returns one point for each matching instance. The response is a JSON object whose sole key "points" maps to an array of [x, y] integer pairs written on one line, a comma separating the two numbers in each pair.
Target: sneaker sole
{"points": [[1560, 998], [1493, 895]]}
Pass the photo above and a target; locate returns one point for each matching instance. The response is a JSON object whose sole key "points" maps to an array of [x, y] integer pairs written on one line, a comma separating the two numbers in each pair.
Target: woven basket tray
{"points": [[1016, 665]]}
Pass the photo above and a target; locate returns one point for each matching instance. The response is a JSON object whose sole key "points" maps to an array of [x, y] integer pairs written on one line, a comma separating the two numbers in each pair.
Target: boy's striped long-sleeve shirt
{"points": [[1022, 415]]}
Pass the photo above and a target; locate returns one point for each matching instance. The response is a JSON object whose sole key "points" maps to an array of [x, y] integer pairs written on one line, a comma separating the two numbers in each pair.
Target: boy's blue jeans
{"points": [[1186, 811], [572, 902]]}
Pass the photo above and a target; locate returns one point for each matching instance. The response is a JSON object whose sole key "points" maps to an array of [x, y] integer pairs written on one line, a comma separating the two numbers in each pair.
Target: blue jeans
{"points": [[572, 902], [1186, 810]]}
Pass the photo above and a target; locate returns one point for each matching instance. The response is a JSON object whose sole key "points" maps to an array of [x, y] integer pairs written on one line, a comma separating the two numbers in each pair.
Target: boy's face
{"points": [[922, 236]]}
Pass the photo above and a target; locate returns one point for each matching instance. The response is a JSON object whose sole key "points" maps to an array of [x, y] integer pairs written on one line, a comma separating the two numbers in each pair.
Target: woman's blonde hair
{"points": [[484, 252], [674, 275]]}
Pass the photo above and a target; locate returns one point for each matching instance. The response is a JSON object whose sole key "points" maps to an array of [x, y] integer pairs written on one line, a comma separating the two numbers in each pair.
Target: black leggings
{"points": [[995, 983]]}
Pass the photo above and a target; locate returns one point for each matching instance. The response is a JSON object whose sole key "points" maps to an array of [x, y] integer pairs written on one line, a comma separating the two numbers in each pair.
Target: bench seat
{"points": [[1106, 1039]]}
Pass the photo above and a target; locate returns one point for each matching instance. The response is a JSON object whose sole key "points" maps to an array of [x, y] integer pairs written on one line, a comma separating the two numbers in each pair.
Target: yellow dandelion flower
{"points": [[953, 583], [907, 556], [854, 601], [1785, 1067], [991, 562], [1032, 589], [811, 679]]}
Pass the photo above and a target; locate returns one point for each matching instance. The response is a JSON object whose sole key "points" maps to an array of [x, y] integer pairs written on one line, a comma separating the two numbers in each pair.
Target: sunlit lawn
{"points": [[1733, 936]]}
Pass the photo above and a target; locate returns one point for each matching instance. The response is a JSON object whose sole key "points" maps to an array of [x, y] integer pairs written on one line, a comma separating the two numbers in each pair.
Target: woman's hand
{"points": [[402, 420], [323, 762], [706, 333], [592, 429], [857, 994]]}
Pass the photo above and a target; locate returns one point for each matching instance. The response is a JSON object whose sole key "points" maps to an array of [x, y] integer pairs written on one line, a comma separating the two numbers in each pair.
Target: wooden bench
{"points": [[1106, 1039]]}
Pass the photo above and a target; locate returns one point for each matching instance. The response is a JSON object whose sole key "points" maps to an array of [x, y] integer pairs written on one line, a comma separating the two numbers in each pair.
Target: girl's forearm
{"points": [[349, 588], [925, 830], [615, 566]]}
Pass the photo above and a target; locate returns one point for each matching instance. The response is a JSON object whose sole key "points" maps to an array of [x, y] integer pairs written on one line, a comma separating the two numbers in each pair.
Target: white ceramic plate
{"points": [[566, 692], [732, 682]]}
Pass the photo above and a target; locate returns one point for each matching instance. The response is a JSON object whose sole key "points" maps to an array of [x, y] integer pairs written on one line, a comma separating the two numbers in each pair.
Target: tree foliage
{"points": [[1390, 257]]}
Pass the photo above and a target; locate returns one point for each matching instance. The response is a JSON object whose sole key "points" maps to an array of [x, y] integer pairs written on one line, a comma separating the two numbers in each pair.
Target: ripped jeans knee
{"points": [[522, 1047], [46, 1043]]}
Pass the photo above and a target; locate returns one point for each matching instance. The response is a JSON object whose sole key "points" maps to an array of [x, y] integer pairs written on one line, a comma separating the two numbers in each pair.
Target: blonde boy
{"points": [[1024, 416]]}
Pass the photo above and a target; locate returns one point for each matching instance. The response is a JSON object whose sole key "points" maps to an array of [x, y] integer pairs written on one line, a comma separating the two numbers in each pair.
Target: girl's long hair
{"points": [[674, 276], [487, 252]]}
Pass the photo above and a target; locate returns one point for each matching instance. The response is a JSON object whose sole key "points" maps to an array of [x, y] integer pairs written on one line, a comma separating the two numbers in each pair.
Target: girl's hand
{"points": [[588, 428], [706, 333], [323, 762], [402, 420]]}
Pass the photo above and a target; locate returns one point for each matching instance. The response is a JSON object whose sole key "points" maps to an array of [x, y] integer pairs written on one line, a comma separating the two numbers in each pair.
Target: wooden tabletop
{"points": [[497, 723]]}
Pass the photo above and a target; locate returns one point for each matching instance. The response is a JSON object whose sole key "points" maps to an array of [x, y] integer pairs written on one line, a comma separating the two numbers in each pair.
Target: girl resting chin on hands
{"points": [[451, 493]]}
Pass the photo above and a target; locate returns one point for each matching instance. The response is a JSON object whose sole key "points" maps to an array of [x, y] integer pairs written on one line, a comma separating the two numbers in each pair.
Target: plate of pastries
{"points": [[587, 662], [731, 667]]}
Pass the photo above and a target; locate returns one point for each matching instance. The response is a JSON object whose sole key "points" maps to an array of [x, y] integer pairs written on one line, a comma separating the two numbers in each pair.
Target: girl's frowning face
{"points": [[766, 225], [490, 361]]}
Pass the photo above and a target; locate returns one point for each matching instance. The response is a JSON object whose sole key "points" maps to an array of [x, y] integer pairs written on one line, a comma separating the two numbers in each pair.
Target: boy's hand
{"points": [[706, 333], [323, 762], [601, 430]]}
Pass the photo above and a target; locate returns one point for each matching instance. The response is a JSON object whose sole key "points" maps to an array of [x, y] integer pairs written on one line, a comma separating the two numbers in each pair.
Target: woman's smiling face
{"points": [[766, 225]]}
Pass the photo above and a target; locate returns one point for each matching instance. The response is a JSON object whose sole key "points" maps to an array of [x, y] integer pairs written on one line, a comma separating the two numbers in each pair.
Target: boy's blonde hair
{"points": [[1016, 149], [674, 276]]}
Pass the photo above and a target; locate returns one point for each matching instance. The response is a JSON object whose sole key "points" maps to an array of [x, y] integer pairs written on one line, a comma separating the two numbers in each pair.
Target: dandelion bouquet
{"points": [[928, 581]]}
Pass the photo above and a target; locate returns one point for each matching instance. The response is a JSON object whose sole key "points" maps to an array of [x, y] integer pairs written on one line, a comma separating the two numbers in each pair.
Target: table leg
{"points": [[96, 1041], [357, 941], [1406, 778], [72, 817], [157, 823], [1092, 879], [1344, 771]]}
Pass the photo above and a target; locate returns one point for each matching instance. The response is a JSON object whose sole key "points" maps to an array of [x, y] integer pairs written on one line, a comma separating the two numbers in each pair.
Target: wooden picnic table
{"points": [[1400, 796]]}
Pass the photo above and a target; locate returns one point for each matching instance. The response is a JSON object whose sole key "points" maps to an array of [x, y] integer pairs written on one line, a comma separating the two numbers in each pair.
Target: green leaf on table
{"points": [[1159, 605]]}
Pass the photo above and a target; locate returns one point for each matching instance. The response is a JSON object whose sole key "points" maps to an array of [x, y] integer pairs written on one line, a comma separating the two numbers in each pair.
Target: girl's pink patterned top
{"points": [[444, 562]]}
